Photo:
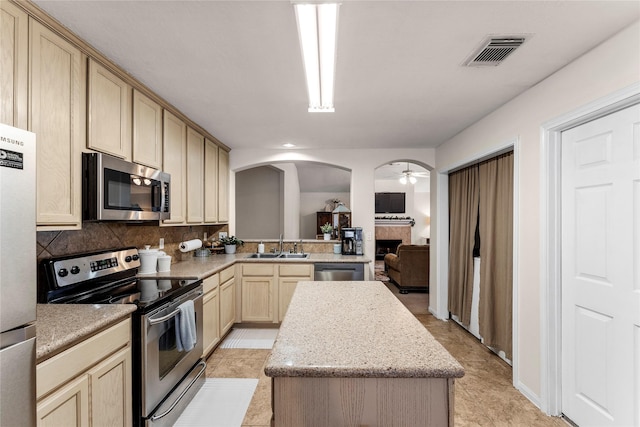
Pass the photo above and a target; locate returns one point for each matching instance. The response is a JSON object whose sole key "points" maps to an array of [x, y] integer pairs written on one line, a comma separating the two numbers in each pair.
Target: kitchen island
{"points": [[350, 353]]}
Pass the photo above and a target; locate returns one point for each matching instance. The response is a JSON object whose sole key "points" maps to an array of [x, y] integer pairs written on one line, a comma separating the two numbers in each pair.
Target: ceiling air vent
{"points": [[493, 51]]}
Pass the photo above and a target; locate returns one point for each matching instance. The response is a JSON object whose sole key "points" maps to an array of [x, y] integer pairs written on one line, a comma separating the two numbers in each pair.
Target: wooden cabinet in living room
{"points": [[14, 65], [57, 114], [175, 163], [210, 313], [147, 131], [109, 112]]}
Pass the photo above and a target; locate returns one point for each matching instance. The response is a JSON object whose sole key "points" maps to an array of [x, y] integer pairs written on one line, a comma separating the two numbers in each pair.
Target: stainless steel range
{"points": [[167, 368]]}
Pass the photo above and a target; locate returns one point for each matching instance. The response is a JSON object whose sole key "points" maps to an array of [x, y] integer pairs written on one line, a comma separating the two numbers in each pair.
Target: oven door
{"points": [[163, 365]]}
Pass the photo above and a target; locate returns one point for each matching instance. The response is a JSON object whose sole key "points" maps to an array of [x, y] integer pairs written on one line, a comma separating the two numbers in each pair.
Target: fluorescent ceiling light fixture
{"points": [[288, 145], [317, 28]]}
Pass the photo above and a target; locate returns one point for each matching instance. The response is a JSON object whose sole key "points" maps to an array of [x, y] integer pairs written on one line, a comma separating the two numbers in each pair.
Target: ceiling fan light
{"points": [[403, 180], [412, 179]]}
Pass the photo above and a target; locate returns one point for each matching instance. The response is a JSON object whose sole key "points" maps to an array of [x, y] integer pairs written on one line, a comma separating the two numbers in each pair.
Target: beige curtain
{"points": [[496, 252], [463, 216]]}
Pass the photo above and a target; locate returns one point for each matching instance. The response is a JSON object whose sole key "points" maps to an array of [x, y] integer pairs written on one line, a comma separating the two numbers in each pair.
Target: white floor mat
{"points": [[250, 338], [221, 402]]}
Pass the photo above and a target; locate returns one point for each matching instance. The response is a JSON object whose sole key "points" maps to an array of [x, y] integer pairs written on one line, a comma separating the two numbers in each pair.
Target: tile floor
{"points": [[483, 397]]}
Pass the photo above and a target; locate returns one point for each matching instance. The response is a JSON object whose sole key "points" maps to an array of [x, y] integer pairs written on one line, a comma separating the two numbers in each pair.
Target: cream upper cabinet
{"points": [[109, 112], [175, 164], [57, 114], [14, 43], [147, 131], [223, 186], [195, 177], [210, 181]]}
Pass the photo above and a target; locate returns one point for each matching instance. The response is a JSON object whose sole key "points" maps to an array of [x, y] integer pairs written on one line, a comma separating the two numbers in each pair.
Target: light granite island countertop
{"points": [[350, 353]]}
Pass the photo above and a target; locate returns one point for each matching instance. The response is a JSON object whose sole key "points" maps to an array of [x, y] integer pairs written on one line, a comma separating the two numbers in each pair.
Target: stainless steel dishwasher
{"points": [[338, 271]]}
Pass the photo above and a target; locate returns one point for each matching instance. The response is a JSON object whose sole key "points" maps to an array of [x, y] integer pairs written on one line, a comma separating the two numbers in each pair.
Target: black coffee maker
{"points": [[352, 243]]}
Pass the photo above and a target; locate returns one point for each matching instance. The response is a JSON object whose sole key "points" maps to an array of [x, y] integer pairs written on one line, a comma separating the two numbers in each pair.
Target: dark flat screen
{"points": [[390, 203]]}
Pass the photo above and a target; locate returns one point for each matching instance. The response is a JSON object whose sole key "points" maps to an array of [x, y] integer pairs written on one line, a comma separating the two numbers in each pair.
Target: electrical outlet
{"points": [[222, 235], [369, 236], [161, 244]]}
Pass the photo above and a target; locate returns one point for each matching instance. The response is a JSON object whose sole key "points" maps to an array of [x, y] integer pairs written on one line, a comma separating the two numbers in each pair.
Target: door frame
{"points": [[551, 237]]}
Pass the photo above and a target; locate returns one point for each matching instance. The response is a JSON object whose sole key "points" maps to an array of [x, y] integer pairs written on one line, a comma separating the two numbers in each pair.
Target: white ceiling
{"points": [[235, 67]]}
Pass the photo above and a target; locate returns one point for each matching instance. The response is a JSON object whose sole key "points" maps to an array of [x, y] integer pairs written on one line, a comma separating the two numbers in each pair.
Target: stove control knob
{"points": [[75, 269], [63, 272], [135, 257], [127, 258]]}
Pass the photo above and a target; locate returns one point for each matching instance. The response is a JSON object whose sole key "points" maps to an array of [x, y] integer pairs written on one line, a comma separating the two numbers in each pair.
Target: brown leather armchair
{"points": [[408, 268]]}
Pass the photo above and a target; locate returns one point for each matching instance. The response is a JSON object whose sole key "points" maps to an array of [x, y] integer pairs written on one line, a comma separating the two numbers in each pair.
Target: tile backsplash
{"points": [[96, 236]]}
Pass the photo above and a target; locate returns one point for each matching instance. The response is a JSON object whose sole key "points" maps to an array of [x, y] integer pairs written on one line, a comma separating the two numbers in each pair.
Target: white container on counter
{"points": [[164, 263], [148, 260]]}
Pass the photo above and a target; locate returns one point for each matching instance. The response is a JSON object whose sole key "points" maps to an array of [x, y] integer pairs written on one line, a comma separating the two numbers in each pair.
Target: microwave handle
{"points": [[203, 367]]}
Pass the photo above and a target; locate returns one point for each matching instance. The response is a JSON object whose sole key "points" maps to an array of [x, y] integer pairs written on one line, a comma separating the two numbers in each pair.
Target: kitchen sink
{"points": [[265, 256], [293, 256]]}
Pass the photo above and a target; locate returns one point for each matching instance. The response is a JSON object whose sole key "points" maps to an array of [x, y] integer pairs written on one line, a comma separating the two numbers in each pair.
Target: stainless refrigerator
{"points": [[18, 270]]}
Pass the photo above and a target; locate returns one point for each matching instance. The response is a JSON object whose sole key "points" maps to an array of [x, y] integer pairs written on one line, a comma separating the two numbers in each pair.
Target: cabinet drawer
{"points": [[304, 270], [257, 270], [227, 274], [70, 363], [210, 283]]}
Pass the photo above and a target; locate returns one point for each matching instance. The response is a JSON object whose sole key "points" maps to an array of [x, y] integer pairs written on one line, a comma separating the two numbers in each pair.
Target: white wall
{"points": [[613, 65], [291, 201], [362, 164]]}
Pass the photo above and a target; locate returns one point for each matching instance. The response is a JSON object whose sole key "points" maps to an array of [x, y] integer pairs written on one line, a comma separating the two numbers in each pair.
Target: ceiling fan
{"points": [[411, 176]]}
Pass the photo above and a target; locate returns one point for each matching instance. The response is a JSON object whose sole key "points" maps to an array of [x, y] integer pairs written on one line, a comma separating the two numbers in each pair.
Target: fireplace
{"points": [[384, 247]]}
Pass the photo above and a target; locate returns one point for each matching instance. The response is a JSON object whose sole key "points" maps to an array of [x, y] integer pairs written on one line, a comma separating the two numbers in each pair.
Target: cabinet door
{"points": [[227, 306], [175, 163], [110, 386], [210, 321], [147, 131], [223, 186], [109, 125], [286, 287], [195, 177], [257, 299], [210, 182], [68, 406], [57, 115], [14, 43]]}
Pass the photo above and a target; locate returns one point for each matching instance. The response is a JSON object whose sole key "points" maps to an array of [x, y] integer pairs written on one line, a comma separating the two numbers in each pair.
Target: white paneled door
{"points": [[601, 271]]}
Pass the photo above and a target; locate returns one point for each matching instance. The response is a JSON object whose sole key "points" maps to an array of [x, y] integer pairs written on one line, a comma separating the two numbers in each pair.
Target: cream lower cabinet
{"points": [[258, 293], [266, 289], [227, 300], [210, 313], [288, 277], [88, 384]]}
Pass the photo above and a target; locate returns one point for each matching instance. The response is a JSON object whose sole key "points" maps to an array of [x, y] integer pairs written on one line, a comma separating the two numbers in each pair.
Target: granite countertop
{"points": [[355, 329], [203, 267], [60, 326]]}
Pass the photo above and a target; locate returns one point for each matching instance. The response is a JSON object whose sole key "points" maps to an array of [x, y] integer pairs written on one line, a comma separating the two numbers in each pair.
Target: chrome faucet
{"points": [[281, 243], [301, 248], [295, 248]]}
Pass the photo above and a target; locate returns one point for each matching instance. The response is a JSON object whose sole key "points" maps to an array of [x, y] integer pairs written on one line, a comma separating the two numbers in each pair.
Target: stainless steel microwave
{"points": [[117, 190]]}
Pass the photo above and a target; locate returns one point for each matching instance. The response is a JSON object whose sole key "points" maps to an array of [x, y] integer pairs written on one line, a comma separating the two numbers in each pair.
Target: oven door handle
{"points": [[203, 368], [154, 321]]}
